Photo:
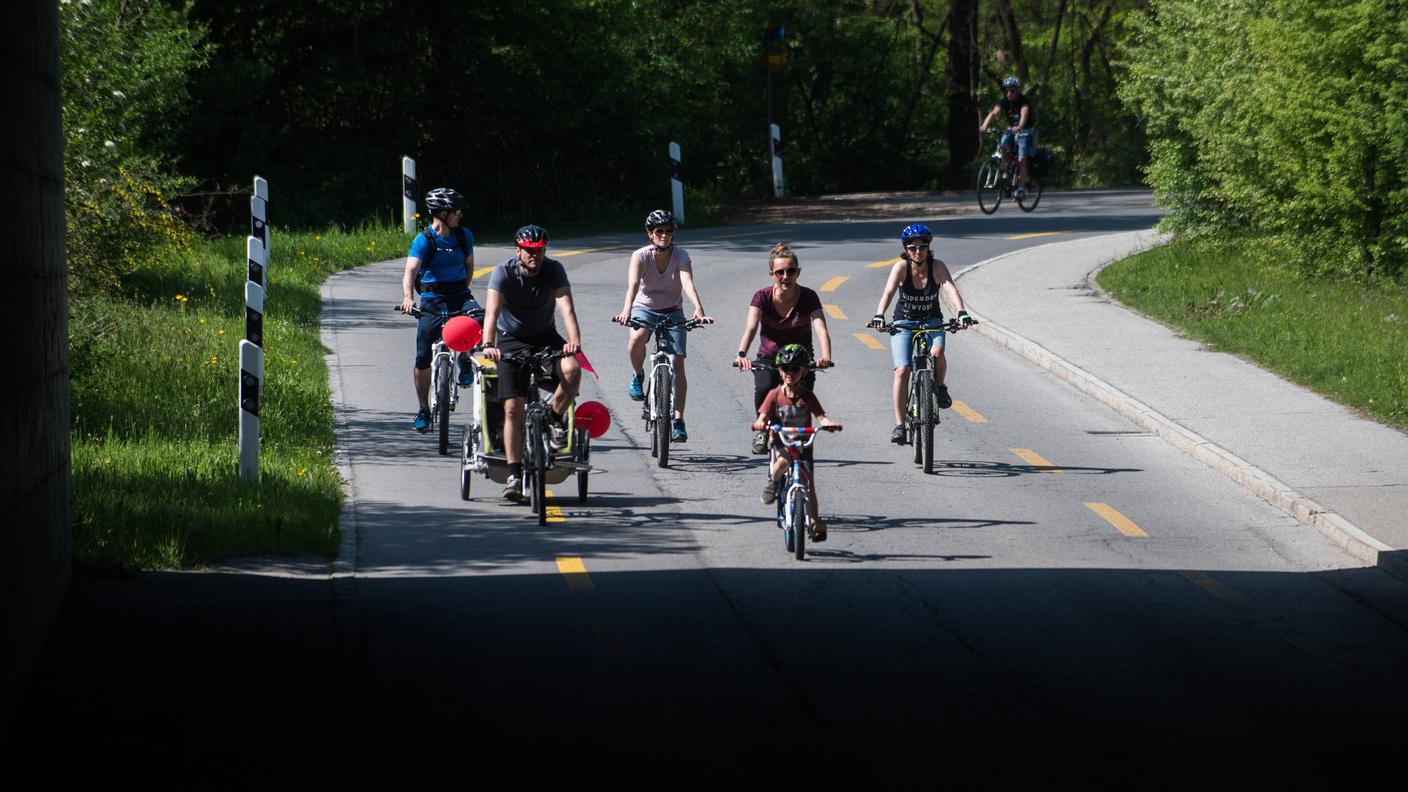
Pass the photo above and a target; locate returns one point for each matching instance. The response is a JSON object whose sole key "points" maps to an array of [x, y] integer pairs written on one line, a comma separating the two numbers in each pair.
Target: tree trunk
{"points": [[35, 540], [963, 114]]}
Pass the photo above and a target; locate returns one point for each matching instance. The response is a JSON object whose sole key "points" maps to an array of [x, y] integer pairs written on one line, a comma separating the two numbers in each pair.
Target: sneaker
{"points": [[760, 442], [1021, 192], [898, 436], [818, 531], [513, 488], [466, 376], [422, 421], [557, 433], [941, 395], [635, 390], [678, 434], [769, 492]]}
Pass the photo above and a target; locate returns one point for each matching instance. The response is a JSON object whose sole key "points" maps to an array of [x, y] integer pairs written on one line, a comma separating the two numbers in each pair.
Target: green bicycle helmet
{"points": [[793, 355]]}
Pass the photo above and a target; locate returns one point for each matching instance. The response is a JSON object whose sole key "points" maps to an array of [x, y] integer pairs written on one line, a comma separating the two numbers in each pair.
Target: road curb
{"points": [[1335, 527], [344, 568]]}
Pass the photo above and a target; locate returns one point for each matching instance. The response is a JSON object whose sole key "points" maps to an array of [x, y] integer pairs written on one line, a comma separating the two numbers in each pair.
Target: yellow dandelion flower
{"points": [[303, 471], [317, 237], [214, 359], [202, 321], [221, 331], [181, 298], [107, 461]]}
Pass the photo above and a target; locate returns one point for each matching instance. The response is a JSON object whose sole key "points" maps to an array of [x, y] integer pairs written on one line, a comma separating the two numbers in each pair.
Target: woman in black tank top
{"points": [[919, 279]]}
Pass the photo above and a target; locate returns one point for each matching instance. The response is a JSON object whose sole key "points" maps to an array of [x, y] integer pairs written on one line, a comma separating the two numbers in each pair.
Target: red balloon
{"points": [[461, 333], [595, 417]]}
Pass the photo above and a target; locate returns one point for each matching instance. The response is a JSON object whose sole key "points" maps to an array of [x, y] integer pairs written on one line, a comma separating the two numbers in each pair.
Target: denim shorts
{"points": [[674, 337], [901, 343], [1026, 142]]}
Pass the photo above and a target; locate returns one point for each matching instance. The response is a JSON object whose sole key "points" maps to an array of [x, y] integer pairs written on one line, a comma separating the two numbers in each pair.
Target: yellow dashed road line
{"points": [[972, 415], [1206, 583], [575, 573], [1033, 458], [1122, 523], [869, 340], [565, 253], [1044, 233], [482, 271], [833, 284], [834, 311], [889, 262], [554, 512]]}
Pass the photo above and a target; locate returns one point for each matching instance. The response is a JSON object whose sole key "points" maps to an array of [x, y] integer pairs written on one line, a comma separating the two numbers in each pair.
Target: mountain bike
{"points": [[794, 496], [444, 374], [922, 412], [481, 447], [997, 178], [658, 409]]}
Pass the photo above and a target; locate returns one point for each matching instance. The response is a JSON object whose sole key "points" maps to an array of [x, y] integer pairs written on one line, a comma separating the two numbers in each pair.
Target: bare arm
{"points": [[633, 273], [983, 127], [892, 284], [568, 310], [408, 282], [823, 338], [687, 283], [493, 303], [947, 287], [750, 329], [1022, 122]]}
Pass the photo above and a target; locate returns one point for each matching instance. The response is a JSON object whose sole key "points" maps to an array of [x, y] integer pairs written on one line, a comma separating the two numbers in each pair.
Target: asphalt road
{"points": [[991, 621]]}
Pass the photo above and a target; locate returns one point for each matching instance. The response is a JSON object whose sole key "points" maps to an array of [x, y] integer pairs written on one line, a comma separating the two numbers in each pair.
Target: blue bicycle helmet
{"points": [[1011, 82], [916, 231]]}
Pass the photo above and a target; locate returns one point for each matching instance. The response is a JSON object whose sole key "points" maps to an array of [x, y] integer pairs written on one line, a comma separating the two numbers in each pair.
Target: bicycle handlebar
{"points": [[473, 313], [951, 326], [768, 364], [688, 324]]}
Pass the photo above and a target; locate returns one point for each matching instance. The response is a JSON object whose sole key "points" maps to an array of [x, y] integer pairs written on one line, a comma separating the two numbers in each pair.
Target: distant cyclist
{"points": [[439, 266], [524, 292], [919, 278], [785, 313], [1021, 126], [658, 275]]}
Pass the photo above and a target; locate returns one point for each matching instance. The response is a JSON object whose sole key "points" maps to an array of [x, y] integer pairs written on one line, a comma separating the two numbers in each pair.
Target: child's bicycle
{"points": [[481, 450], [794, 496], [658, 410], [444, 374], [922, 413]]}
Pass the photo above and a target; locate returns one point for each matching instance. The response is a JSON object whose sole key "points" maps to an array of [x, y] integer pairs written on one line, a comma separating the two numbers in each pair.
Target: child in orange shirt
{"points": [[793, 404]]}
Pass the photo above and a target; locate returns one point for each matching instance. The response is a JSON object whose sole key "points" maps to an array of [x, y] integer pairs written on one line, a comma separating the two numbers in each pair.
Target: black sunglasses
{"points": [[786, 271]]}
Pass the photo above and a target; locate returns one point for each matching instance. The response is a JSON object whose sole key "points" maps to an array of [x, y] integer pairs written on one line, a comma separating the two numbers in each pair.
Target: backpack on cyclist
{"points": [[1041, 163], [461, 243]]}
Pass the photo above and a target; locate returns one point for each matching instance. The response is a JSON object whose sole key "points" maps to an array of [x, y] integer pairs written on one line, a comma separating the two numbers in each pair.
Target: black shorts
{"points": [[513, 378]]}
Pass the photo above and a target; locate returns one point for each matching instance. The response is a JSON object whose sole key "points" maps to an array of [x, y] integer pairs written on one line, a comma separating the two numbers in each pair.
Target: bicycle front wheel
{"points": [[926, 418], [663, 414], [1029, 201], [989, 187], [797, 524], [442, 406]]}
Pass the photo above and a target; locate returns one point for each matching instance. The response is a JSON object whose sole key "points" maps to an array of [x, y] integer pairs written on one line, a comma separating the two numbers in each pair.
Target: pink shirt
{"points": [[659, 291]]}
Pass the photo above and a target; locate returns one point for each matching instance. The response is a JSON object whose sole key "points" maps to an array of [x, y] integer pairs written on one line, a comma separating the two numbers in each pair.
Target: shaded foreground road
{"points": [[980, 624]]}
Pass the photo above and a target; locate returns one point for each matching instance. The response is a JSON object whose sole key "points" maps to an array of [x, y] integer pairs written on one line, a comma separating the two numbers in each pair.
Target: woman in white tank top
{"points": [[659, 275]]}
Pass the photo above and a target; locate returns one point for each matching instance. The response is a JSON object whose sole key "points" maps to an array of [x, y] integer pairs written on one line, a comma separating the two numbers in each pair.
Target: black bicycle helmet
{"points": [[1011, 82], [532, 236], [443, 198], [793, 355], [916, 231], [660, 217]]}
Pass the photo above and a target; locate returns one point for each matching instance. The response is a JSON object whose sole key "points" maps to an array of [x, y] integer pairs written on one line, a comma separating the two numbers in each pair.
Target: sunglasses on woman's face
{"points": [[920, 246], [790, 271], [662, 231]]}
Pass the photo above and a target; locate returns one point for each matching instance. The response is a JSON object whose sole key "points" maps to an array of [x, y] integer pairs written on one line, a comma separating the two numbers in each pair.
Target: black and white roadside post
{"points": [[776, 55], [676, 186], [252, 347], [408, 194], [775, 149]]}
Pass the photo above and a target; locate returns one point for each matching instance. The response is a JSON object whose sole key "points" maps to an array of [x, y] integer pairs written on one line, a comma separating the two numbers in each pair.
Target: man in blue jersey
{"points": [[439, 266]]}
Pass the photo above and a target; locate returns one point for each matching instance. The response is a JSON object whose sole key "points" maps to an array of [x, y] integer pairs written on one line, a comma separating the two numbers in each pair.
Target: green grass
{"points": [[154, 421], [1344, 339]]}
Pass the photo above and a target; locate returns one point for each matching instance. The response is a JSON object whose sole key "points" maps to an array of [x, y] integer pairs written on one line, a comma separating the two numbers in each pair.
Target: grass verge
{"points": [[1343, 339], [154, 378]]}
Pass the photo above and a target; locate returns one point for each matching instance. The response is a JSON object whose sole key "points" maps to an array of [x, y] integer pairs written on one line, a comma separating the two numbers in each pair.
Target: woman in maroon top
{"points": [[787, 313]]}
